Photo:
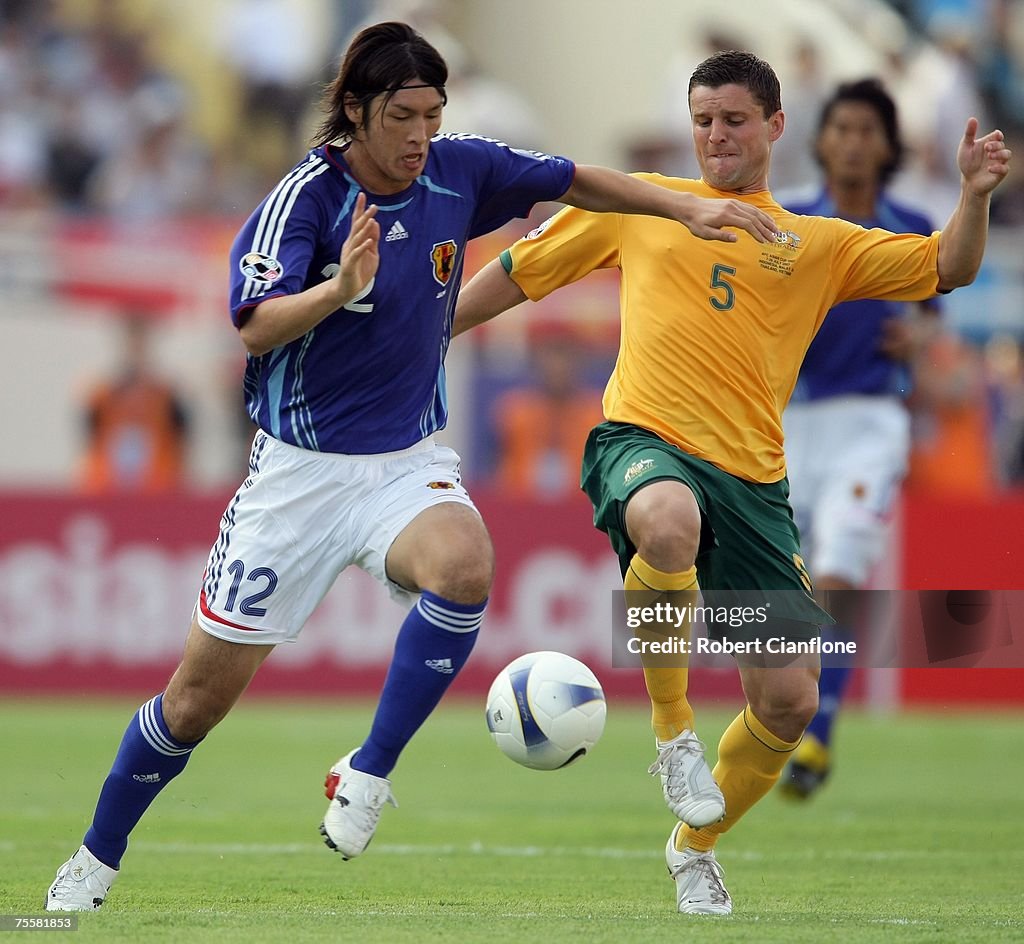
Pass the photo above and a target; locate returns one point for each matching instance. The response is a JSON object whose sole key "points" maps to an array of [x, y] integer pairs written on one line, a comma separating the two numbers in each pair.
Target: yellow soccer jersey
{"points": [[713, 333]]}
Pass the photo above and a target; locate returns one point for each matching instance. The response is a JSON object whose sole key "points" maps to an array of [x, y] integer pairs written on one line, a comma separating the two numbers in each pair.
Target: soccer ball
{"points": [[545, 709]]}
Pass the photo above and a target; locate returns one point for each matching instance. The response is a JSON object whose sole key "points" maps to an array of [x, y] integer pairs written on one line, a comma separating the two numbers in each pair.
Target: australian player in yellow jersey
{"points": [[688, 475]]}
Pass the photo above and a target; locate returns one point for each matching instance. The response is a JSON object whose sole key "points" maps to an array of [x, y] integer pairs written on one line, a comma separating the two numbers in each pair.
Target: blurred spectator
{"points": [[936, 86], [22, 132], [542, 427], [477, 103], [160, 172], [120, 85], [71, 158], [1005, 368], [88, 119], [136, 424], [925, 14], [951, 453], [669, 149], [480, 104], [276, 48], [793, 163], [1001, 64]]}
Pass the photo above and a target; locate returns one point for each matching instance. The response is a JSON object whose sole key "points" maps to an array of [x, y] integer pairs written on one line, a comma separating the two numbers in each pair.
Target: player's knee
{"points": [[787, 712], [663, 521], [804, 706], [462, 573]]}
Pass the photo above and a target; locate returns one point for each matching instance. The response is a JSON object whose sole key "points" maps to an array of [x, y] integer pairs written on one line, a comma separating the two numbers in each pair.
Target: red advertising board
{"points": [[956, 545], [98, 593]]}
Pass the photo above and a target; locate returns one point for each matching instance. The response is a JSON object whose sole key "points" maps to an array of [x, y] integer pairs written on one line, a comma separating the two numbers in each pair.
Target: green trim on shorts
{"points": [[749, 545]]}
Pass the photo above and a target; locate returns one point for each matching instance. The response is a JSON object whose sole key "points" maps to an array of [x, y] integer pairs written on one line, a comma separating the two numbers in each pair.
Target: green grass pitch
{"points": [[920, 837]]}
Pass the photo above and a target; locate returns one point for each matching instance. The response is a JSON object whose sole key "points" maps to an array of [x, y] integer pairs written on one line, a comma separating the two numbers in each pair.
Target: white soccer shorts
{"points": [[300, 519], [846, 457]]}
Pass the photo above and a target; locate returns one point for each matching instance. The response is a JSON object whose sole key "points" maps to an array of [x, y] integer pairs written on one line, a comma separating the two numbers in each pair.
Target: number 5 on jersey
{"points": [[725, 296]]}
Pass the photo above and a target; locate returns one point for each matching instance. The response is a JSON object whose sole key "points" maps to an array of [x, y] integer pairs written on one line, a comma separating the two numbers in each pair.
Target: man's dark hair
{"points": [[872, 93], [734, 67], [381, 58]]}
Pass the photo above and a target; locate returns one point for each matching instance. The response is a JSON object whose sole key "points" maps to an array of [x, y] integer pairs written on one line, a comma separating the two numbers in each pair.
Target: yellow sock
{"points": [[750, 760], [664, 674]]}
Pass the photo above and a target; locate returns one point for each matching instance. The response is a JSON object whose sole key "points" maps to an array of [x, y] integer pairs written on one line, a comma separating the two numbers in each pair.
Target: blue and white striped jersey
{"points": [[844, 357], [370, 377]]}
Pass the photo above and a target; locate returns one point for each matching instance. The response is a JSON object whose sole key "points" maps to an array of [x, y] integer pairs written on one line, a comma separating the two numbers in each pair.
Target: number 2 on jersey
{"points": [[356, 304], [719, 283]]}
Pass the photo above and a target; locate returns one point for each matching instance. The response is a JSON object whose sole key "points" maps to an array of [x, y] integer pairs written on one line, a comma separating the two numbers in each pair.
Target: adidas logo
{"points": [[146, 778], [397, 231], [444, 666]]}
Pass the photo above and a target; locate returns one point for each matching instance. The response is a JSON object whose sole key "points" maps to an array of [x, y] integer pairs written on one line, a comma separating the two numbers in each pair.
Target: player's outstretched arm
{"points": [[284, 318], [984, 163], [490, 292], [604, 190]]}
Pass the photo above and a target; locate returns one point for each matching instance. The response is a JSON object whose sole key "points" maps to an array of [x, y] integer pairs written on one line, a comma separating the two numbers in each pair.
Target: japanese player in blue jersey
{"points": [[343, 288], [847, 430]]}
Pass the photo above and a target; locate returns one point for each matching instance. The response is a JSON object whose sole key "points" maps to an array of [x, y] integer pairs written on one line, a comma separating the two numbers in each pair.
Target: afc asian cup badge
{"points": [[260, 267]]}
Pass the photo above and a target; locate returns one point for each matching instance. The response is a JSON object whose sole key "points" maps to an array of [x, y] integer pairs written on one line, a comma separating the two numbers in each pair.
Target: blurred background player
{"points": [[136, 423], [542, 427], [847, 428], [952, 449]]}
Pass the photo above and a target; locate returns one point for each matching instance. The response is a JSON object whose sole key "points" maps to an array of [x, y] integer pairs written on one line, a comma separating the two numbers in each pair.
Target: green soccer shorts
{"points": [[749, 552]]}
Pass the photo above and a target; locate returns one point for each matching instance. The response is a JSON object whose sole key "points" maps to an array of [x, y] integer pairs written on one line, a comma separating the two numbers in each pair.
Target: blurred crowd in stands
{"points": [[104, 114]]}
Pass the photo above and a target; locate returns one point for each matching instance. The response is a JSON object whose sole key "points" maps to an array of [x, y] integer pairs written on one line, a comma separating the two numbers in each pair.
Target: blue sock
{"points": [[147, 760], [432, 646], [831, 687]]}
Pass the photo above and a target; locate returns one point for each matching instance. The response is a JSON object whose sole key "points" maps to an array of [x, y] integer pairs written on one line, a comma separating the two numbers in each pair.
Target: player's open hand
{"points": [[711, 218], [359, 253], [984, 162]]}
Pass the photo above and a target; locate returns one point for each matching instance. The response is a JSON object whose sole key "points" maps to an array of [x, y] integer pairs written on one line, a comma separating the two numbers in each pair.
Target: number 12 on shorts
{"points": [[264, 582]]}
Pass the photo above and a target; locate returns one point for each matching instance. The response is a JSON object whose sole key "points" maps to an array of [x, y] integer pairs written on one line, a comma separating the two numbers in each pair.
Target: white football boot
{"points": [[357, 799], [699, 880], [686, 781], [81, 883]]}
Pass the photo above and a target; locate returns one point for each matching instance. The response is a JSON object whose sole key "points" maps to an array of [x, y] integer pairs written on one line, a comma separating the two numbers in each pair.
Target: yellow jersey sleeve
{"points": [[563, 249], [713, 333], [874, 263]]}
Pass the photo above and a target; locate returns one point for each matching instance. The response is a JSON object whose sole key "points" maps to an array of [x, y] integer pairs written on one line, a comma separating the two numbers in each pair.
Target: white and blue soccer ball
{"points": [[545, 710]]}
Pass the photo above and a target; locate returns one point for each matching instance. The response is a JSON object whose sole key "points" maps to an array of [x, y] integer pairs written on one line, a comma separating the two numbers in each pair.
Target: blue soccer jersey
{"points": [[370, 377], [845, 357]]}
